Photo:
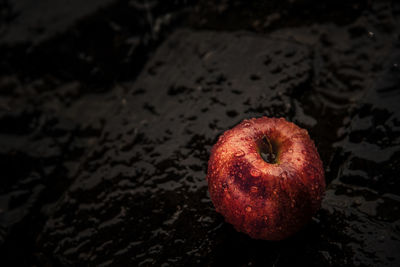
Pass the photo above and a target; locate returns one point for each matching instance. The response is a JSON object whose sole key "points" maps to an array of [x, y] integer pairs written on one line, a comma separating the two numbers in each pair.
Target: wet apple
{"points": [[266, 178]]}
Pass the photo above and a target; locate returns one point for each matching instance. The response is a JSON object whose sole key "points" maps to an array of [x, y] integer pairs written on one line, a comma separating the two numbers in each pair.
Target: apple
{"points": [[266, 178]]}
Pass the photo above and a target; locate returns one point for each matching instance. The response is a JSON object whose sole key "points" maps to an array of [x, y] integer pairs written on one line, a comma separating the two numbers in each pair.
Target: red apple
{"points": [[266, 178]]}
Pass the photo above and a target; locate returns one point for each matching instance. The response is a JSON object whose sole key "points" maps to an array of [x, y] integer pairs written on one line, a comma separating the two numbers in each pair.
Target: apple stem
{"points": [[269, 145]]}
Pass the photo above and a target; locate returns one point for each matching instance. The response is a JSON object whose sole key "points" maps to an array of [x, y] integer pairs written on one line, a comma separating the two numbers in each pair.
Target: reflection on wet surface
{"points": [[108, 119]]}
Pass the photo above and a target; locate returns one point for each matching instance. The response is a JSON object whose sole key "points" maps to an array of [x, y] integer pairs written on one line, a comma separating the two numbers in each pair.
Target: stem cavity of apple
{"points": [[267, 150]]}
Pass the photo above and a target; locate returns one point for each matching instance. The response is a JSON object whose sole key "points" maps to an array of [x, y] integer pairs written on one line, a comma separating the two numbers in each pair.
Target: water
{"points": [[107, 121]]}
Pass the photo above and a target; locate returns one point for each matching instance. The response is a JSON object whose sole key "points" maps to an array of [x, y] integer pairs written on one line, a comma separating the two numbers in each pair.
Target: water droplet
{"points": [[303, 152], [255, 172], [254, 189], [290, 150], [214, 186], [225, 186], [284, 175], [296, 136], [248, 208], [228, 196], [265, 217], [248, 138], [239, 153], [246, 124]]}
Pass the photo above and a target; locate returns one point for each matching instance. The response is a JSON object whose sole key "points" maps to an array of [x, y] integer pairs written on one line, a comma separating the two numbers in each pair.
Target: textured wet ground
{"points": [[108, 112]]}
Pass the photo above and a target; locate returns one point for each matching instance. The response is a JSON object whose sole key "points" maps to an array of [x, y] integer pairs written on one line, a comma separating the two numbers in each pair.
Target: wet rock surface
{"points": [[104, 146]]}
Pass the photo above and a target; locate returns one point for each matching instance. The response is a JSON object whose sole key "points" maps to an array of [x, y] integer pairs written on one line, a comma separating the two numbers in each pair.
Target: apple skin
{"points": [[264, 200]]}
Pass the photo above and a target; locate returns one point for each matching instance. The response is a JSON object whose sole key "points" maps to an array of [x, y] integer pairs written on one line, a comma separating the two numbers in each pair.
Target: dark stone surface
{"points": [[107, 120]]}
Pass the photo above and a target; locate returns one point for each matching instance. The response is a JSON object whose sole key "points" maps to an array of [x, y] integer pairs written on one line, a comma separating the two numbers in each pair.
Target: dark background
{"points": [[108, 111]]}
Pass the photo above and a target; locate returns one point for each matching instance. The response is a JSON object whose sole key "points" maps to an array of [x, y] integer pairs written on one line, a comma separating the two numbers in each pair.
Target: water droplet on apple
{"points": [[254, 189], [246, 124], [239, 153], [248, 208], [248, 138], [290, 150], [297, 136], [255, 172], [225, 186], [303, 152], [284, 175], [309, 170], [282, 184], [265, 218]]}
